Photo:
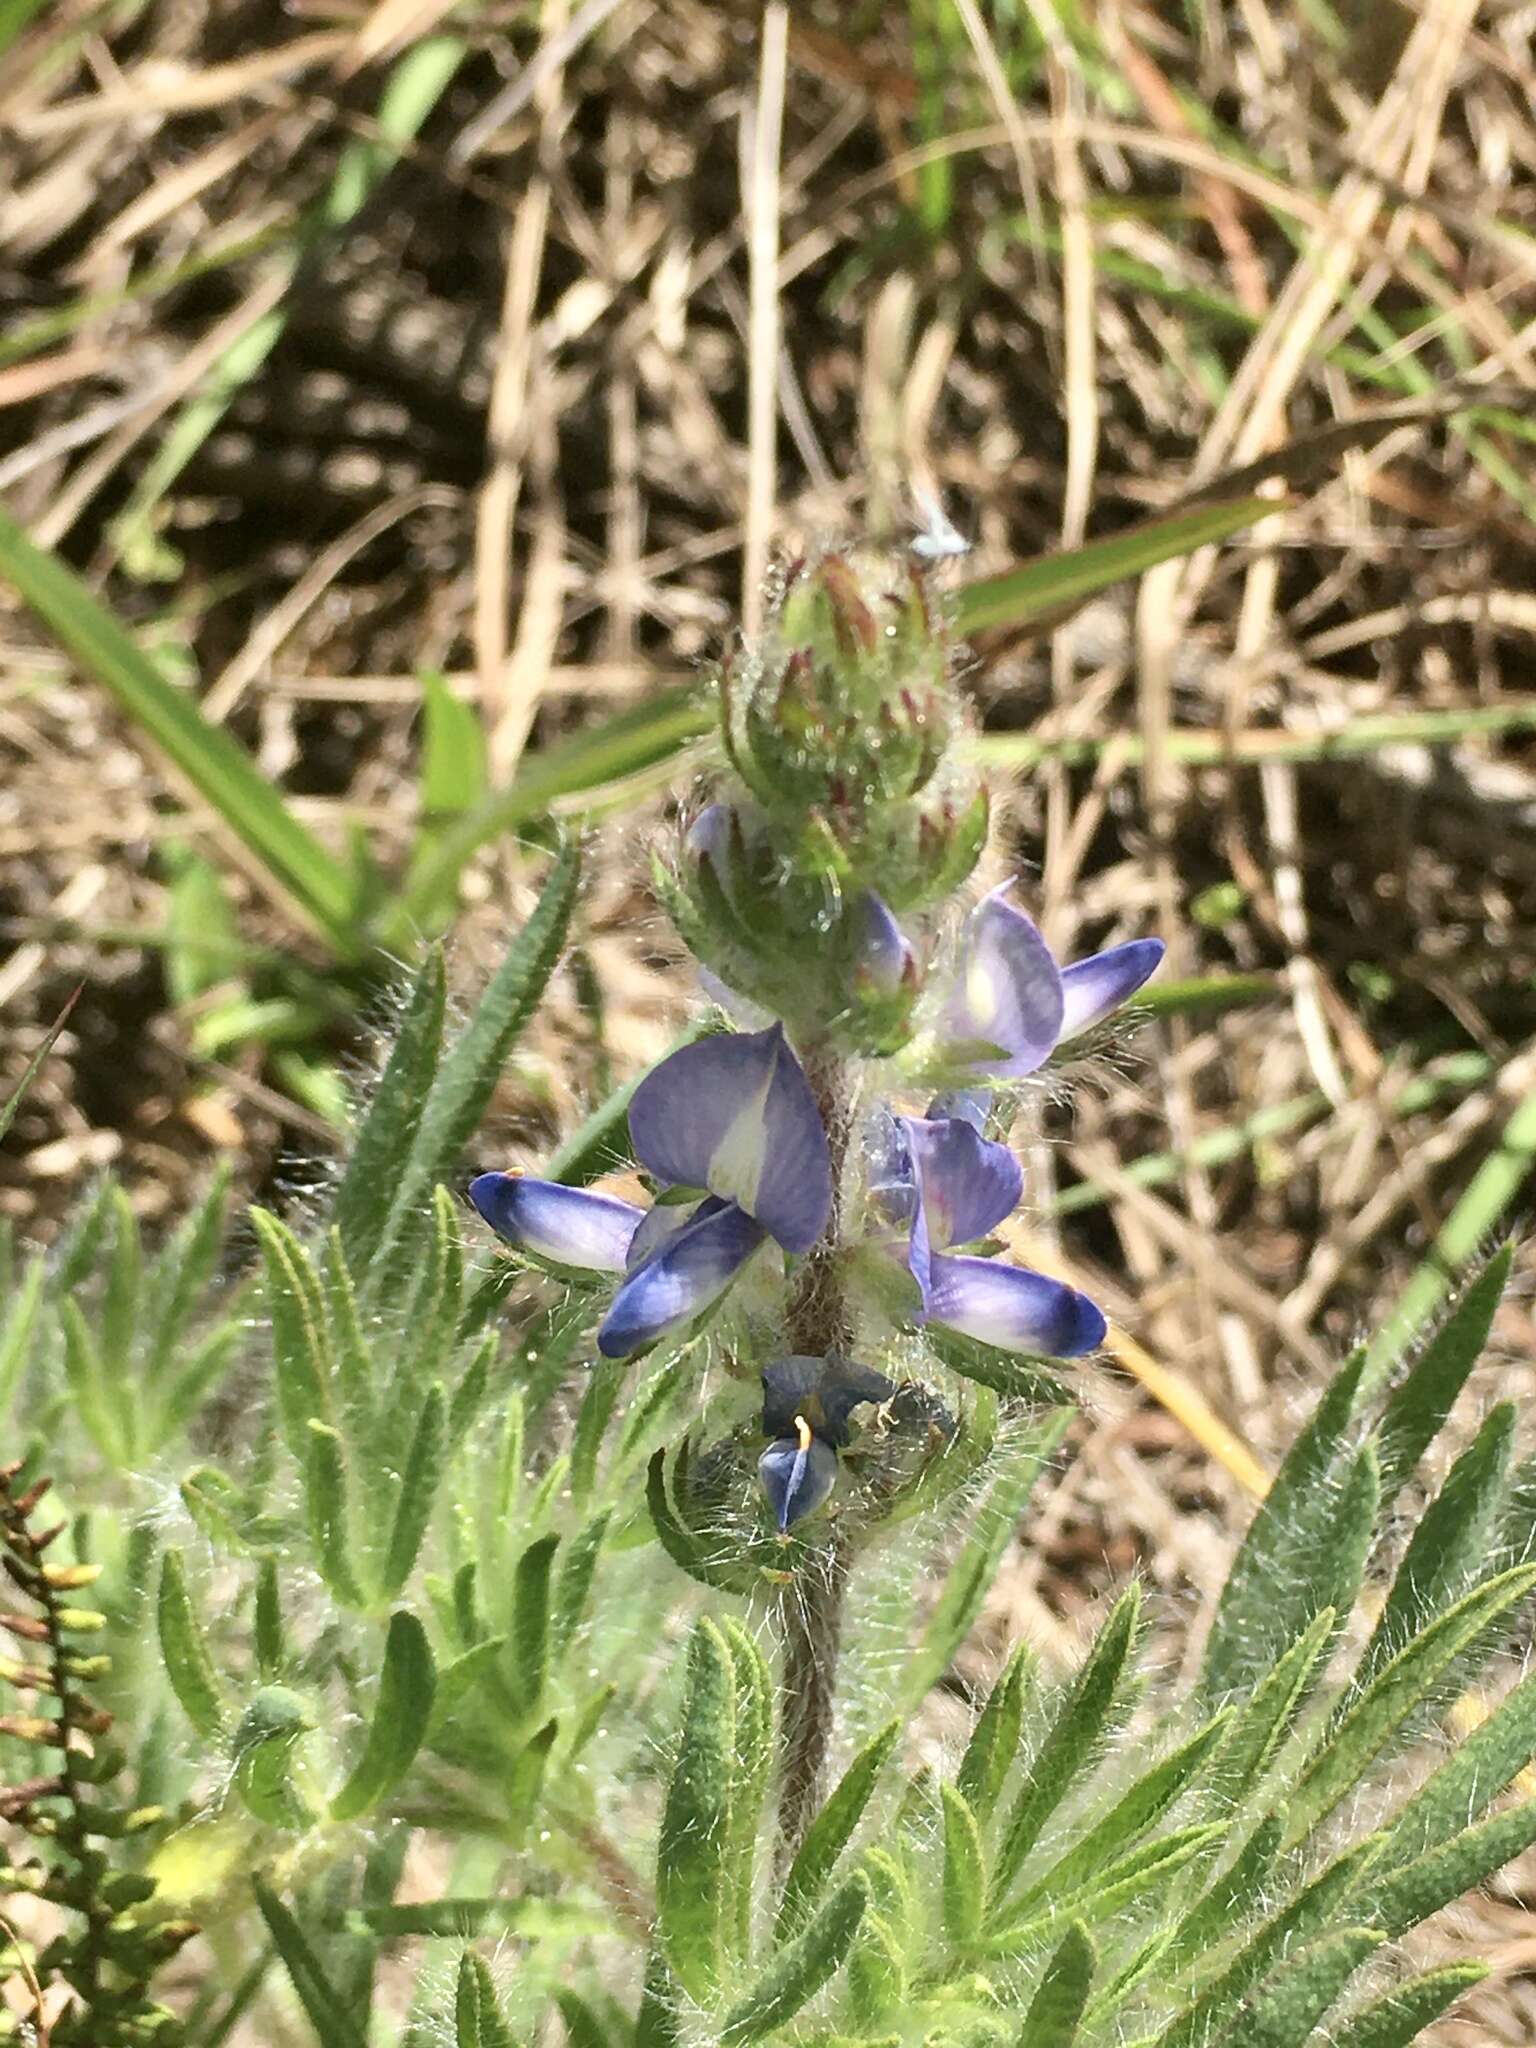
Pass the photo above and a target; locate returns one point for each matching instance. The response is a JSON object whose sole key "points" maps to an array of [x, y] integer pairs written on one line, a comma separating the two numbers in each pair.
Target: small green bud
{"points": [[264, 1741], [842, 723]]}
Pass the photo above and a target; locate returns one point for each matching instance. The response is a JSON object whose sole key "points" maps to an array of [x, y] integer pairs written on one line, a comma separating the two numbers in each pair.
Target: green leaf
{"points": [[799, 1971], [657, 2023], [1255, 1735], [691, 1856], [1286, 2011], [1056, 2010], [1391, 1698], [102, 1405], [753, 1766], [581, 1555], [301, 1356], [1416, 1411], [1408, 2009], [1286, 1569], [601, 1144], [528, 1639], [525, 1780], [1410, 1894], [400, 1716], [187, 1662], [384, 1139], [831, 1831], [994, 1740], [17, 1329], [965, 1872], [418, 1491], [477, 2015], [271, 1646], [1237, 1892], [1083, 1719], [970, 1578], [1474, 1774], [205, 755], [1110, 1891], [1137, 1809], [1039, 589], [1021, 1379], [468, 1073], [327, 1512], [185, 1268], [1280, 1935], [592, 1419], [203, 947], [681, 1543], [1450, 1544], [583, 2028], [324, 2005]]}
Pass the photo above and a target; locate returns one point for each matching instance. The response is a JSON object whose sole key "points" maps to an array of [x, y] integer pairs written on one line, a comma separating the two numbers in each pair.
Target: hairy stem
{"points": [[810, 1617], [810, 1608]]}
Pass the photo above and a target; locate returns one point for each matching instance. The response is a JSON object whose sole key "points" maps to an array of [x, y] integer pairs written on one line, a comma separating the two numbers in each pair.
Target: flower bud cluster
{"points": [[800, 1147]]}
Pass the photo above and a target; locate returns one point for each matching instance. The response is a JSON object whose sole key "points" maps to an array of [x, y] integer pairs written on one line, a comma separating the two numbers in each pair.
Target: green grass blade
{"points": [[13, 1101], [652, 732], [206, 756], [1039, 589], [1479, 1213]]}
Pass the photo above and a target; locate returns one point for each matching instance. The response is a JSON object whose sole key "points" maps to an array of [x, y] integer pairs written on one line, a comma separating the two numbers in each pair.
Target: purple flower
{"points": [[807, 1403], [797, 1474], [1011, 1004], [732, 1116], [938, 1178]]}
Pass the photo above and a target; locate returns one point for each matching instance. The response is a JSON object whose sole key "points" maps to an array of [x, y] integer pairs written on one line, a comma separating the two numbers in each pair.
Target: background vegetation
{"points": [[419, 391]]}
